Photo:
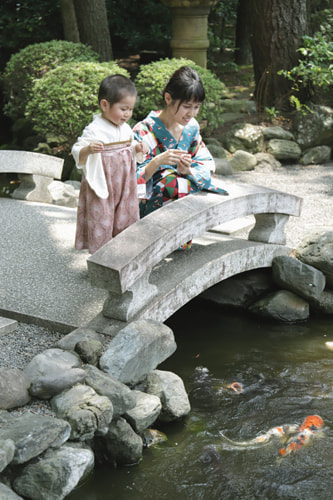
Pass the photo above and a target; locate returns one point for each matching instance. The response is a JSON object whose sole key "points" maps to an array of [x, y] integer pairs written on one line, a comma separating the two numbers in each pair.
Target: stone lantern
{"points": [[189, 29]]}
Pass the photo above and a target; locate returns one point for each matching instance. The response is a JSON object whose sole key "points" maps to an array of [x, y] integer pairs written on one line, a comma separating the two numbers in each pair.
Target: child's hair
{"points": [[185, 85], [114, 87]]}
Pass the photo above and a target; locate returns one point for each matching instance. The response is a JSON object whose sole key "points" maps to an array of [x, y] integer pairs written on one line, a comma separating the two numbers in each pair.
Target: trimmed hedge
{"points": [[32, 63], [65, 99]]}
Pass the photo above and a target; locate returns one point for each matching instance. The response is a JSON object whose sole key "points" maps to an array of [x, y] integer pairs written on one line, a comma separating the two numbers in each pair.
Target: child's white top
{"points": [[99, 130]]}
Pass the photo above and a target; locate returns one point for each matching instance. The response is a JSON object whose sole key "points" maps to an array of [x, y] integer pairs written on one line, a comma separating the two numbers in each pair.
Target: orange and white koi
{"points": [[309, 428], [262, 439]]}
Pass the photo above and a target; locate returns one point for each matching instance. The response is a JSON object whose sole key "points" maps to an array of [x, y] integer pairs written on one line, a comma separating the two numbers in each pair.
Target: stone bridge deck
{"points": [[145, 275]]}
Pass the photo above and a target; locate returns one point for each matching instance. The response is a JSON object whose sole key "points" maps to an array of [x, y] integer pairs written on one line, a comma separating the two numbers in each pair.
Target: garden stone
{"points": [[239, 106], [283, 306], [277, 133], [218, 152], [7, 450], [121, 445], [120, 395], [69, 341], [137, 349], [171, 391], [241, 290], [315, 156], [314, 128], [298, 277], [317, 251], [266, 162], [63, 194], [32, 434], [284, 150], [7, 494], [146, 411], [325, 303], [53, 371], [55, 475], [223, 167], [13, 388], [152, 437], [242, 160], [86, 411], [89, 351], [247, 137]]}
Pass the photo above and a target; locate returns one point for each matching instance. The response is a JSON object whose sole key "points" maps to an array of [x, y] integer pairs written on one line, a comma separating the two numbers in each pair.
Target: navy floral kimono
{"points": [[166, 184]]}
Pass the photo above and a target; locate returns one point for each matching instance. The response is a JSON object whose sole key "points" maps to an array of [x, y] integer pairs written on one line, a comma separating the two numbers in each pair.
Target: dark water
{"points": [[287, 374]]}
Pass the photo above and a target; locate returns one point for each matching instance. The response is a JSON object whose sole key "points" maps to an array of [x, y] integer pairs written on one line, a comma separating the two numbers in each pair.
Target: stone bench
{"points": [[36, 172], [123, 266]]}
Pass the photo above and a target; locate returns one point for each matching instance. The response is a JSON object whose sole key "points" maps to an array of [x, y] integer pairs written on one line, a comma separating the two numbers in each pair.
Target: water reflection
{"points": [[286, 373]]}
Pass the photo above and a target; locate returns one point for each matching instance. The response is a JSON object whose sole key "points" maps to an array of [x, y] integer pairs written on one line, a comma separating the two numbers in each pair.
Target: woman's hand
{"points": [[184, 164]]}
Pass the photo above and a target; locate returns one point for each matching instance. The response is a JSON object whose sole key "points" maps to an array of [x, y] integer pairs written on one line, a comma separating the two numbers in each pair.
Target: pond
{"points": [[286, 373]]}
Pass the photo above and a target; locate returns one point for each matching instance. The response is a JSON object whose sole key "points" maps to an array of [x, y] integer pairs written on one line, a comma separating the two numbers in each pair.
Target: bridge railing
{"points": [[123, 265]]}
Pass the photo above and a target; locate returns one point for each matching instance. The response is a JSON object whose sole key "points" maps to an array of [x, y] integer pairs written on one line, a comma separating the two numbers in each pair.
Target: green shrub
{"points": [[32, 63], [151, 81], [66, 98]]}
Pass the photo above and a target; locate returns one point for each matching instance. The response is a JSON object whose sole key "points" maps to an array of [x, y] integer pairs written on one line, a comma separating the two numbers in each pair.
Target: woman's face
{"points": [[184, 112]]}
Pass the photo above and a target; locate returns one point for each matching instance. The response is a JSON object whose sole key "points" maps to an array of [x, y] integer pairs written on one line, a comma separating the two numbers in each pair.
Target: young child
{"points": [[108, 200]]}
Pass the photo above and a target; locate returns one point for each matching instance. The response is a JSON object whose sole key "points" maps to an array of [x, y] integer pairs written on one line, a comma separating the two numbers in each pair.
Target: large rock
{"points": [[317, 251], [277, 133], [246, 137], [86, 411], [283, 306], [55, 475], [171, 391], [137, 349], [298, 277], [284, 150], [7, 450], [242, 160], [120, 395], [315, 156], [121, 445], [52, 372], [32, 434], [146, 411], [314, 128], [7, 494], [14, 386]]}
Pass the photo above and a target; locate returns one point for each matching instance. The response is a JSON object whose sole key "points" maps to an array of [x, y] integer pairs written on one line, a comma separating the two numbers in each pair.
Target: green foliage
{"points": [[315, 67], [66, 98], [139, 25], [153, 77], [32, 63]]}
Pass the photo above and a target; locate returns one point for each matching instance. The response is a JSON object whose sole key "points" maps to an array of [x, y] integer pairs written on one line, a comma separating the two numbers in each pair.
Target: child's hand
{"points": [[95, 147]]}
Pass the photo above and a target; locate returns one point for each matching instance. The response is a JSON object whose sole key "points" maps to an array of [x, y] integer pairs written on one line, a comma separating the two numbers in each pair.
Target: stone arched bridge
{"points": [[145, 275]]}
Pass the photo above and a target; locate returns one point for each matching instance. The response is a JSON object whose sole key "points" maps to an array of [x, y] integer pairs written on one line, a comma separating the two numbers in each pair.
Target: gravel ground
{"points": [[313, 183]]}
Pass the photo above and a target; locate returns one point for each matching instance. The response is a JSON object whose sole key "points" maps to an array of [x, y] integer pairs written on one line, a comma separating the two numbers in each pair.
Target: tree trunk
{"points": [[69, 24], [243, 54], [277, 27], [93, 26]]}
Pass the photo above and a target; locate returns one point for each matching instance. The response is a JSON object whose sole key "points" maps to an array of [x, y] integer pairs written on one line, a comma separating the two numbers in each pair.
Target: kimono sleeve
{"points": [[202, 162]]}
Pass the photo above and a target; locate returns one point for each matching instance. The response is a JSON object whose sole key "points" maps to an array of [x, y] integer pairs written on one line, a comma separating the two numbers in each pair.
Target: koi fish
{"points": [[262, 439], [311, 425]]}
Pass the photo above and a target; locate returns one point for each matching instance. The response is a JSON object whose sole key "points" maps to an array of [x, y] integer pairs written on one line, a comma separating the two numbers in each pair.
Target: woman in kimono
{"points": [[178, 162]]}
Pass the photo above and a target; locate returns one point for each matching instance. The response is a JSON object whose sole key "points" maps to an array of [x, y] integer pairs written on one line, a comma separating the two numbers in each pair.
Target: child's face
{"points": [[120, 112]]}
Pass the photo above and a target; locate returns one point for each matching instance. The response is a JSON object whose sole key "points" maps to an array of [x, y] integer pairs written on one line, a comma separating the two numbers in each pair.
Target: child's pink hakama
{"points": [[99, 220]]}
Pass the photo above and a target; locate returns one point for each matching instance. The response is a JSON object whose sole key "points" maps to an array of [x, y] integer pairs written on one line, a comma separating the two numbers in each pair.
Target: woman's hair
{"points": [[185, 85], [114, 87]]}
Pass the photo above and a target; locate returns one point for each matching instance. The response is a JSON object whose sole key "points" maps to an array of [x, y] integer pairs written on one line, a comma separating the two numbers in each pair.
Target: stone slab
{"points": [[27, 162], [7, 325]]}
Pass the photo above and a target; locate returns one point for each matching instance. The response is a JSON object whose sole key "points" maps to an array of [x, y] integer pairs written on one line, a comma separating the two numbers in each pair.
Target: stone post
{"points": [[189, 29]]}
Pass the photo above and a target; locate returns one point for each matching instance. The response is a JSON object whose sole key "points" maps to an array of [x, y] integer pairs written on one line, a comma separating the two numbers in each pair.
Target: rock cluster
{"points": [[295, 286], [104, 401], [245, 145]]}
